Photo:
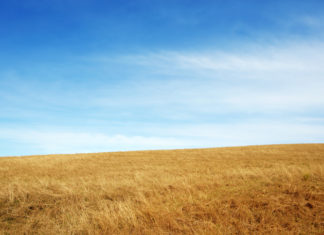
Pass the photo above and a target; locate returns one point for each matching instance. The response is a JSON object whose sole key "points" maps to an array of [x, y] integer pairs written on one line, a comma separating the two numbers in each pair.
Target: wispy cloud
{"points": [[293, 55], [51, 141], [268, 79], [174, 99], [249, 132]]}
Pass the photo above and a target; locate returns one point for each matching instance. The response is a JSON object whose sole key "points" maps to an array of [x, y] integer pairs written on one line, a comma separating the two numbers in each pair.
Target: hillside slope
{"points": [[256, 189]]}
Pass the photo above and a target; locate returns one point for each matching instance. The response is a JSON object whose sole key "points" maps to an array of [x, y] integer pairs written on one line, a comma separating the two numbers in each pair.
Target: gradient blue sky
{"points": [[92, 76]]}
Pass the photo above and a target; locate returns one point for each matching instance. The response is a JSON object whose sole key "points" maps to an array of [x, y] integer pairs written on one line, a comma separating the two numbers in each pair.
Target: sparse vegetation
{"points": [[276, 189]]}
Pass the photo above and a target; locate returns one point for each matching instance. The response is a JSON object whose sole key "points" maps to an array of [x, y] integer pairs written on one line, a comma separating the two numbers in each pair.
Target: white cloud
{"points": [[289, 78], [49, 141], [168, 136], [191, 99], [288, 56], [282, 78]]}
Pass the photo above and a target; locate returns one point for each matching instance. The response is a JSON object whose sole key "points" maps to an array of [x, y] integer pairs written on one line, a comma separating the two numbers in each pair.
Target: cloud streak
{"points": [[50, 141], [173, 99], [251, 132]]}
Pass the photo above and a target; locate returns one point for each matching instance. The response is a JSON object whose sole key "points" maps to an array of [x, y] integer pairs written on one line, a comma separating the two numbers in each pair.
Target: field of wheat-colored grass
{"points": [[277, 189]]}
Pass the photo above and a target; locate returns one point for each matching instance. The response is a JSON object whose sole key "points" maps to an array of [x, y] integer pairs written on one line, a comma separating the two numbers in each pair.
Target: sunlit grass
{"points": [[243, 190]]}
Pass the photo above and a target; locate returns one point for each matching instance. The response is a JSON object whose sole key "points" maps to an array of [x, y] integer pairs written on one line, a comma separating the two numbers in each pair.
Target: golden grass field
{"points": [[275, 189]]}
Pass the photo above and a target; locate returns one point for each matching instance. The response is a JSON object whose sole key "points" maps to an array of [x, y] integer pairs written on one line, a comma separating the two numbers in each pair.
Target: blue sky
{"points": [[93, 76]]}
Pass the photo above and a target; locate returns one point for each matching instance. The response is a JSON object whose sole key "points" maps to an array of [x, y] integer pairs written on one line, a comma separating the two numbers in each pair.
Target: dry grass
{"points": [[275, 189]]}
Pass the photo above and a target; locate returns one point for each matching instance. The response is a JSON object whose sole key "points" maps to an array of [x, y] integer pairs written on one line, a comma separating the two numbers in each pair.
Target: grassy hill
{"points": [[241, 190]]}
